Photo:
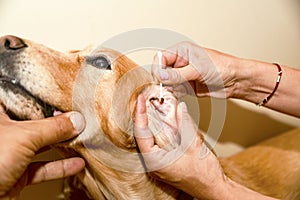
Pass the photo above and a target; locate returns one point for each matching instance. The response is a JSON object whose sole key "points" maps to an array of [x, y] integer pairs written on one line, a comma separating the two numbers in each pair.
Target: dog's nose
{"points": [[10, 42]]}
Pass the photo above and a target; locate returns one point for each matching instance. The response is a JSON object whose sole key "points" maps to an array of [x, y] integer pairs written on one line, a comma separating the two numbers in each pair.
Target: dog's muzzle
{"points": [[12, 91]]}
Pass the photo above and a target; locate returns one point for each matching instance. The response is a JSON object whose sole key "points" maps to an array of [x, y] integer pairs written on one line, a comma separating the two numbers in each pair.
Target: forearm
{"points": [[224, 190], [205, 179], [256, 80], [237, 191]]}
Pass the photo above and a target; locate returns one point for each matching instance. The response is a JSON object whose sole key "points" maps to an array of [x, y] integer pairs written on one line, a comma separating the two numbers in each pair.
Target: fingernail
{"points": [[56, 112], [78, 121], [164, 75]]}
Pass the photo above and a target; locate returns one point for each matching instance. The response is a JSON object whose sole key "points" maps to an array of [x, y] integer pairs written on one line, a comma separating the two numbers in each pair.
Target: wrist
{"points": [[254, 80], [213, 191], [227, 66], [242, 78]]}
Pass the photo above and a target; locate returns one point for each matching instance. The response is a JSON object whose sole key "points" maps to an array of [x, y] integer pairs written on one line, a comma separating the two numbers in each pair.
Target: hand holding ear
{"points": [[191, 166]]}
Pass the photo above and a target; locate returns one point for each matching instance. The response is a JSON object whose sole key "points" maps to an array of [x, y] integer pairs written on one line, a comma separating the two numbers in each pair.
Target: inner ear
{"points": [[163, 118]]}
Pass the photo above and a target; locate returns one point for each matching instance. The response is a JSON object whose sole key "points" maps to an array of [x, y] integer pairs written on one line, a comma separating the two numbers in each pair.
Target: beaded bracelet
{"points": [[276, 86]]}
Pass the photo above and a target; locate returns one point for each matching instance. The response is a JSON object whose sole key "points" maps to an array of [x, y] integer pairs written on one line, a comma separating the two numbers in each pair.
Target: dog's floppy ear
{"points": [[124, 98], [127, 89]]}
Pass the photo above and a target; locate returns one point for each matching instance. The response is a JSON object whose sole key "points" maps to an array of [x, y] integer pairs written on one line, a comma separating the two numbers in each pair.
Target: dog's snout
{"points": [[10, 42]]}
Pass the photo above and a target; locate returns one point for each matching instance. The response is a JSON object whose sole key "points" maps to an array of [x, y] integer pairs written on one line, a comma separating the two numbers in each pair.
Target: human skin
{"points": [[216, 74], [20, 141], [197, 171]]}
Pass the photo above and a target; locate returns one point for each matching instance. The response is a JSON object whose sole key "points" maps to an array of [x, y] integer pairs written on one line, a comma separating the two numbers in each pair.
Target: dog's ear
{"points": [[126, 91], [163, 116]]}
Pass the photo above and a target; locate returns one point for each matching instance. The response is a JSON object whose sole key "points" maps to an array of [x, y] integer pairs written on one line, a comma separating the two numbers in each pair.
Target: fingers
{"points": [[163, 73], [175, 67], [143, 135], [53, 130], [176, 56], [173, 76], [158, 158], [188, 128], [168, 58], [141, 118], [191, 136], [44, 171], [183, 89]]}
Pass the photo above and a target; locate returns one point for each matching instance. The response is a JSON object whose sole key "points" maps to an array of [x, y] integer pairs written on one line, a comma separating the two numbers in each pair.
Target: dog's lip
{"points": [[48, 111], [8, 79]]}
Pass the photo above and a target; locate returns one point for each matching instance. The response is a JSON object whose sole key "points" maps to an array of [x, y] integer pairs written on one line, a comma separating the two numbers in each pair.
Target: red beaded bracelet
{"points": [[276, 86]]}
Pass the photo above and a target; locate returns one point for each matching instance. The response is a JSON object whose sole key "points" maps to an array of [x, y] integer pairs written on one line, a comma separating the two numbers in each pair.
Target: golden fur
{"points": [[107, 100]]}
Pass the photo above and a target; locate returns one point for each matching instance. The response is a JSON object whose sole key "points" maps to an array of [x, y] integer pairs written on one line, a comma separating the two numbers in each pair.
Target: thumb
{"points": [[171, 76], [142, 134], [54, 129]]}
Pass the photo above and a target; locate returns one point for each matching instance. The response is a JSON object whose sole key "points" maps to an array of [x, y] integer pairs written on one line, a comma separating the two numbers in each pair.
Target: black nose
{"points": [[10, 42]]}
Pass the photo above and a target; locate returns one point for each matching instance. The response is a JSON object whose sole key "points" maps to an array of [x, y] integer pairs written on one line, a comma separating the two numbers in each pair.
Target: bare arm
{"points": [[256, 80]]}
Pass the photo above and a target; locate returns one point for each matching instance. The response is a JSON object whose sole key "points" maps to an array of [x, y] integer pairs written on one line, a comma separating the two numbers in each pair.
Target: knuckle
{"points": [[155, 57], [44, 173], [62, 128], [185, 43], [59, 124], [64, 168]]}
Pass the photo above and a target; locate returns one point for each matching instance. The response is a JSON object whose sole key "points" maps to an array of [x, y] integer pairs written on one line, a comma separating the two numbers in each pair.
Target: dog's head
{"points": [[100, 83]]}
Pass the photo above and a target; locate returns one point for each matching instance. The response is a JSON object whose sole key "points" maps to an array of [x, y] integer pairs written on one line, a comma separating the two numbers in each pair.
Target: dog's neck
{"points": [[102, 180]]}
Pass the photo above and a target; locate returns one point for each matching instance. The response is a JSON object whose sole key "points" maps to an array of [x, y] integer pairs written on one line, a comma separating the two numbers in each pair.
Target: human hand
{"points": [[191, 166], [20, 141], [209, 72]]}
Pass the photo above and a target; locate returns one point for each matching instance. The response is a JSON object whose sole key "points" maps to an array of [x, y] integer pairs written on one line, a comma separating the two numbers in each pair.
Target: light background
{"points": [[267, 30]]}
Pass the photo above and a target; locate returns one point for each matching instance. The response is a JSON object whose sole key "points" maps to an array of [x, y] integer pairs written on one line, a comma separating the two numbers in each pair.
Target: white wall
{"points": [[261, 29]]}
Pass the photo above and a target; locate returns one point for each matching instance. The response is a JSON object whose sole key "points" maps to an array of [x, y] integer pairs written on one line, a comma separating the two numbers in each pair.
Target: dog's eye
{"points": [[100, 61]]}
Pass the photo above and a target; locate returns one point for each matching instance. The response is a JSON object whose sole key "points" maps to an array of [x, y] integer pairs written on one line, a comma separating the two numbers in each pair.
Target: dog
{"points": [[103, 85]]}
